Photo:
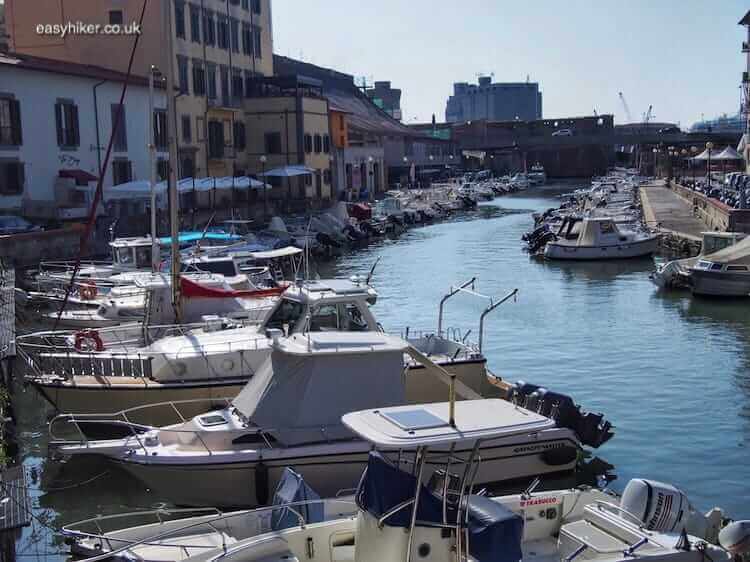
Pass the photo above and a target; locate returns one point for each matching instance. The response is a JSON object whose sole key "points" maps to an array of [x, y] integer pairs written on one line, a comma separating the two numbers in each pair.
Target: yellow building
{"points": [[220, 46], [287, 123]]}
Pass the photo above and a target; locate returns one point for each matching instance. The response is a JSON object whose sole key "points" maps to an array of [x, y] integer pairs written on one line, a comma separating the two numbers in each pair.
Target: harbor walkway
{"points": [[662, 207]]}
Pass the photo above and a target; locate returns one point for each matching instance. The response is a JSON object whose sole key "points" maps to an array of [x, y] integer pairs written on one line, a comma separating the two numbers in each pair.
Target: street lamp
{"points": [[709, 147], [263, 161], [693, 150], [655, 151], [371, 174]]}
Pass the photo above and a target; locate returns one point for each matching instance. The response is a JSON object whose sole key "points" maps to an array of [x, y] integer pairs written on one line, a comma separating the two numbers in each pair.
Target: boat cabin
{"points": [[600, 232], [131, 253], [325, 305]]}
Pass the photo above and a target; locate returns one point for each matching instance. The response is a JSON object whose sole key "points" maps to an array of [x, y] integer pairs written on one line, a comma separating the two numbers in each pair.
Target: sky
{"points": [[681, 56]]}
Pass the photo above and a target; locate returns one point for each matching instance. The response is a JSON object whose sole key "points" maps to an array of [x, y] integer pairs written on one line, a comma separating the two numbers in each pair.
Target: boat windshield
{"points": [[286, 314], [124, 255], [143, 256]]}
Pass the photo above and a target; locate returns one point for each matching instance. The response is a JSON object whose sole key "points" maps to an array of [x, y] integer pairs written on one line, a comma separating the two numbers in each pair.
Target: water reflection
{"points": [[597, 272]]}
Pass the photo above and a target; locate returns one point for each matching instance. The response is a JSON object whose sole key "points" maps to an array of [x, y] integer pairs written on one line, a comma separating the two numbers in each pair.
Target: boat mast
{"points": [[172, 174], [152, 169]]}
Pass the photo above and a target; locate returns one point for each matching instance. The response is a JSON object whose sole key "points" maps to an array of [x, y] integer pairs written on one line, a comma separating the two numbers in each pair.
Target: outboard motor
{"points": [[735, 538], [661, 507]]}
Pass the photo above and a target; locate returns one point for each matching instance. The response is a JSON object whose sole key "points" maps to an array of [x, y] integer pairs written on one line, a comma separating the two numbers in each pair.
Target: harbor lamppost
{"points": [[683, 154], [656, 162], [263, 161], [693, 150], [709, 147], [371, 177]]}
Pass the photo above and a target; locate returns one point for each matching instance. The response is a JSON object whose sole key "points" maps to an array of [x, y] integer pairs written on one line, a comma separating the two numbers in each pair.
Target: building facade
{"points": [[288, 124], [55, 122], [386, 98], [219, 45], [504, 101]]}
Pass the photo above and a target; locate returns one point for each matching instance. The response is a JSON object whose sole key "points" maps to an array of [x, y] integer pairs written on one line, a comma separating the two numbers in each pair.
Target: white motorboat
{"points": [[725, 273], [289, 414], [601, 239], [675, 274], [537, 175], [418, 500], [106, 370]]}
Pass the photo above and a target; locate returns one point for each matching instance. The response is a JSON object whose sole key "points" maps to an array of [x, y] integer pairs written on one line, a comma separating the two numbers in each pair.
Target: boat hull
{"points": [[627, 250], [103, 398], [719, 283], [331, 468]]}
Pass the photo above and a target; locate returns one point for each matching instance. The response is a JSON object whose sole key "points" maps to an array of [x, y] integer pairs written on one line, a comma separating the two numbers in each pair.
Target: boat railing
{"points": [[468, 288], [451, 333], [213, 520], [119, 352], [126, 420]]}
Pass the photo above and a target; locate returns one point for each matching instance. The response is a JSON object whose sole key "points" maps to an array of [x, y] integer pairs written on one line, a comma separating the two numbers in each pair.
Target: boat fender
{"points": [[559, 456], [261, 483], [88, 290], [88, 340]]}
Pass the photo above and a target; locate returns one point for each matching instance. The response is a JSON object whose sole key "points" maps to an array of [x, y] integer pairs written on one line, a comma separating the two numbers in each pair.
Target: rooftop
{"points": [[40, 64]]}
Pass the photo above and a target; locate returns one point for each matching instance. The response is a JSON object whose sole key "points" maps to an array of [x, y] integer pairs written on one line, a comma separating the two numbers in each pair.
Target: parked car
{"points": [[563, 133], [11, 224]]}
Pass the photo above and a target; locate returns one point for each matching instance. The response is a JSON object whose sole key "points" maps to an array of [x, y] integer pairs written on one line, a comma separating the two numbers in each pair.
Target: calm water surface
{"points": [[670, 372]]}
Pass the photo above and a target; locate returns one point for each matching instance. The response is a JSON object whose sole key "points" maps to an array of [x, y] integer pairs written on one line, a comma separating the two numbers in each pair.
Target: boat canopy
{"points": [[409, 427], [345, 371], [595, 231], [274, 254], [738, 254]]}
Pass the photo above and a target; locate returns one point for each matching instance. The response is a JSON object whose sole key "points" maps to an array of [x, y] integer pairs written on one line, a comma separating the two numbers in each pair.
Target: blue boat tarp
{"points": [[495, 532], [188, 237], [292, 489]]}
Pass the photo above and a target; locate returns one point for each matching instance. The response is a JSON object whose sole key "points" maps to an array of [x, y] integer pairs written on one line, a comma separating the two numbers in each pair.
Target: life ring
{"points": [[89, 340], [88, 290]]}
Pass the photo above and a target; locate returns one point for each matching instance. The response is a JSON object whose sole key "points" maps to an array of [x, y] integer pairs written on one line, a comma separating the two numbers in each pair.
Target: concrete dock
{"points": [[666, 210]]}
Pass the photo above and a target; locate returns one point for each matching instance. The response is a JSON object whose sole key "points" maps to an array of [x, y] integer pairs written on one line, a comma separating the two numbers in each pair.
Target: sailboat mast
{"points": [[174, 202]]}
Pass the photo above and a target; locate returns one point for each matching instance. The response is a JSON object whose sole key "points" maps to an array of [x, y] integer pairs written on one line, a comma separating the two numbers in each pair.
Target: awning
{"points": [[728, 153], [705, 155], [289, 171], [82, 177]]}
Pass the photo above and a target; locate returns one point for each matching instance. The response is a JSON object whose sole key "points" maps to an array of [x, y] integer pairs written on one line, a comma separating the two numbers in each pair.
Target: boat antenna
{"points": [[307, 250], [372, 270]]}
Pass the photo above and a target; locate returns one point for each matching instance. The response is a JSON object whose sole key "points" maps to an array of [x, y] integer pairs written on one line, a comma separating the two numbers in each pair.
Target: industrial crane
{"points": [[626, 108]]}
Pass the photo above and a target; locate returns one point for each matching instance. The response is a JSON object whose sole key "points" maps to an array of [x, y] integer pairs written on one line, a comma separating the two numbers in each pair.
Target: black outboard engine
{"points": [[591, 429], [541, 241]]}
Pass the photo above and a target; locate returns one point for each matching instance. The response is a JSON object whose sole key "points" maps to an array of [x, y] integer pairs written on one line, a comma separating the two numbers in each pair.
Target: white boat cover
{"points": [[311, 380], [595, 231]]}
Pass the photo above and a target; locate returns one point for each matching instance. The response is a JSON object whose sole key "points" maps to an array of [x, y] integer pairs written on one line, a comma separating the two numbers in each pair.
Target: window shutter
{"points": [[15, 122], [58, 124], [74, 119]]}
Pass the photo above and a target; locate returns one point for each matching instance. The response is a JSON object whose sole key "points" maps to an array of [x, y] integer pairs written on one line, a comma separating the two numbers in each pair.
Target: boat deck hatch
{"points": [[418, 418]]}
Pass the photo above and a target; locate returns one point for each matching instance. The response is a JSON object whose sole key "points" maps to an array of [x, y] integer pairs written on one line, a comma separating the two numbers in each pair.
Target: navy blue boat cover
{"points": [[290, 489], [495, 532]]}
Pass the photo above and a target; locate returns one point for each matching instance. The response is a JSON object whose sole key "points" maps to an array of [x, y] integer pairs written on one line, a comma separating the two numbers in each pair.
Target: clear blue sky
{"points": [[682, 56]]}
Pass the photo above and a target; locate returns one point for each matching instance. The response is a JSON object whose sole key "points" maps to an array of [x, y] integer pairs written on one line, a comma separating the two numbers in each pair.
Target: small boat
{"points": [[601, 239], [725, 273], [537, 175], [421, 497], [675, 274]]}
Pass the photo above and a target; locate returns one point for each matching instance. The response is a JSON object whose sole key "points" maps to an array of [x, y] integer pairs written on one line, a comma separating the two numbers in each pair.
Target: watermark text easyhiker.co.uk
{"points": [[83, 28]]}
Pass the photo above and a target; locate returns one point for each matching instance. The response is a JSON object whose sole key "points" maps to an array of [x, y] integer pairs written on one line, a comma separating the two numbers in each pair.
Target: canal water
{"points": [[671, 372]]}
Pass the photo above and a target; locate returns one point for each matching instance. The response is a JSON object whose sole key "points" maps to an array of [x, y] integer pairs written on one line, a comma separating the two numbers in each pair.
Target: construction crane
{"points": [[628, 116], [648, 115]]}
